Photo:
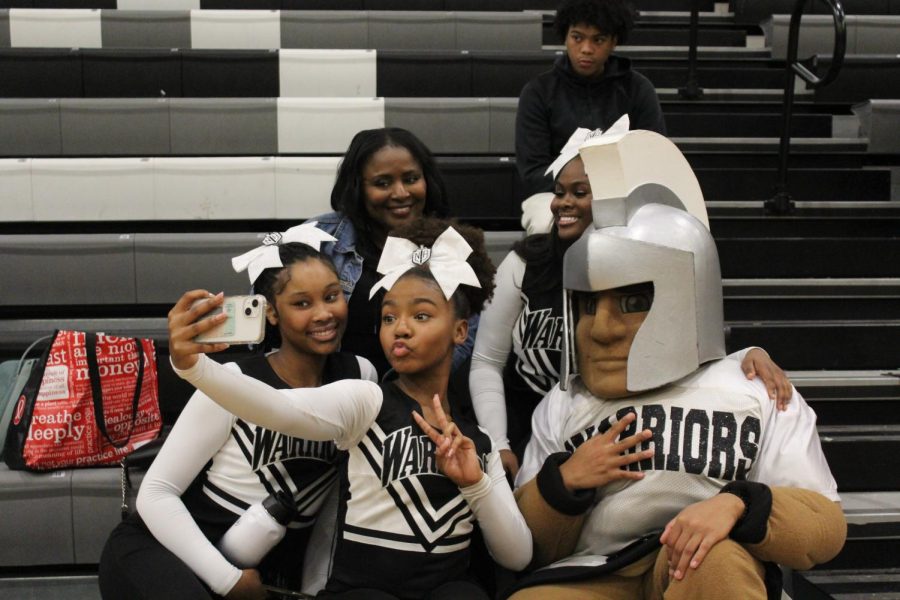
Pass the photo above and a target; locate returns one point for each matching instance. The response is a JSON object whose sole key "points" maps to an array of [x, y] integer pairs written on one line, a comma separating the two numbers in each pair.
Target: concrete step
{"points": [[811, 299], [829, 345]]}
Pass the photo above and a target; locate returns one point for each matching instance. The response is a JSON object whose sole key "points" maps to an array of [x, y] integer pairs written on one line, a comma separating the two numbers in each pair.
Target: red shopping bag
{"points": [[91, 400]]}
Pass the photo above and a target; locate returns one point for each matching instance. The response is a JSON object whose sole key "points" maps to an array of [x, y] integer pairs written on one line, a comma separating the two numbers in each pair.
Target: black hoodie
{"points": [[555, 103]]}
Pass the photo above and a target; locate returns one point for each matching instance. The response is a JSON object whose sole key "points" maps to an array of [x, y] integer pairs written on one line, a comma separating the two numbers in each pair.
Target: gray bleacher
{"points": [[145, 29], [880, 122], [865, 34], [122, 203], [754, 11], [264, 126], [370, 29]]}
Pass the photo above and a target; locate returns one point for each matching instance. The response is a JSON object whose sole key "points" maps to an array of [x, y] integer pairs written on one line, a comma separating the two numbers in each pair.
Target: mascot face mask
{"points": [[606, 324]]}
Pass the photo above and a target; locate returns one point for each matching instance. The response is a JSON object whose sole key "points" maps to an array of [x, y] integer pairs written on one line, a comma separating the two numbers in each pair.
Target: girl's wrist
{"points": [[470, 483], [474, 487]]}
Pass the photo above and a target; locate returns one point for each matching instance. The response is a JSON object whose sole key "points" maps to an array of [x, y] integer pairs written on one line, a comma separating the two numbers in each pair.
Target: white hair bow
{"points": [[581, 135], [446, 260], [266, 256]]}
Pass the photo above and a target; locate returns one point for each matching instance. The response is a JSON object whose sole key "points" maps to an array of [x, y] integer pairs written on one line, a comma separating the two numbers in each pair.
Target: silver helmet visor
{"points": [[615, 262]]}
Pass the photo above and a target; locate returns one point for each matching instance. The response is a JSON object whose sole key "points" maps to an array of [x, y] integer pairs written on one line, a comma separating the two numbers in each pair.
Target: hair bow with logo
{"points": [[581, 135], [267, 256], [446, 260]]}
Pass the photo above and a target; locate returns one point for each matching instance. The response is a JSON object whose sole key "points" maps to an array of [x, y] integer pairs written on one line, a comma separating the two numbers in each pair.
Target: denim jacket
{"points": [[347, 261], [349, 265]]}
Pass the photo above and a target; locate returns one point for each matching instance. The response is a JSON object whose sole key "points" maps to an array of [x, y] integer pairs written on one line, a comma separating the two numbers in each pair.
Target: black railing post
{"points": [[691, 89], [782, 203]]}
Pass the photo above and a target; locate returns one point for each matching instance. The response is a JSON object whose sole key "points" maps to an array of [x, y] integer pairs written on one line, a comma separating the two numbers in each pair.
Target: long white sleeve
{"points": [[492, 347], [199, 433], [506, 534], [341, 411]]}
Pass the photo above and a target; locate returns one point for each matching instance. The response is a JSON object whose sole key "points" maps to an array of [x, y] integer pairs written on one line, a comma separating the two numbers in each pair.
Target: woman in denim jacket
{"points": [[387, 178]]}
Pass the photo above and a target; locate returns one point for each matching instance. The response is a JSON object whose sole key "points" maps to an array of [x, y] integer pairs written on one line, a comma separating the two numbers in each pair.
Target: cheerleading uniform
{"points": [[403, 528], [212, 467]]}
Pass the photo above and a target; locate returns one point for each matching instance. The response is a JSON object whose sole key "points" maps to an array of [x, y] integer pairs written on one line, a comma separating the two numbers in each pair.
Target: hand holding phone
{"points": [[245, 321]]}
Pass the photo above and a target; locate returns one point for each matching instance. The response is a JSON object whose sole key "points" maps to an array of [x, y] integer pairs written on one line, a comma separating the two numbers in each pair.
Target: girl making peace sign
{"points": [[415, 479]]}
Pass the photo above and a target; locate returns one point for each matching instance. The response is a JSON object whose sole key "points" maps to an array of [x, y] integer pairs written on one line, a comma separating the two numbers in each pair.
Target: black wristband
{"points": [[752, 527], [554, 492]]}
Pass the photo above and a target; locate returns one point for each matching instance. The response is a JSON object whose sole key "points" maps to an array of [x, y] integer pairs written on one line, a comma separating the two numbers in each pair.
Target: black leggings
{"points": [[134, 566]]}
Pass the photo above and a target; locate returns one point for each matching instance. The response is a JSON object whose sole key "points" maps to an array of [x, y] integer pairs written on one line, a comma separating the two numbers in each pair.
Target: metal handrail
{"points": [[782, 203], [691, 89]]}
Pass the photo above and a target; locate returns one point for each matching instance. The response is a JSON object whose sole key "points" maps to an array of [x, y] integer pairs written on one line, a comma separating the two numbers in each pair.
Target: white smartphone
{"points": [[245, 322]]}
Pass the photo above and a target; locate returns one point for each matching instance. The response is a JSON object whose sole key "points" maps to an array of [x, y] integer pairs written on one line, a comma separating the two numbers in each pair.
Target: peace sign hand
{"points": [[455, 453], [602, 459]]}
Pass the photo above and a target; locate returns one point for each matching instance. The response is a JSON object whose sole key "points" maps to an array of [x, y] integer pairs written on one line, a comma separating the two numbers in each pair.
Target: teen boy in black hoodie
{"points": [[588, 87]]}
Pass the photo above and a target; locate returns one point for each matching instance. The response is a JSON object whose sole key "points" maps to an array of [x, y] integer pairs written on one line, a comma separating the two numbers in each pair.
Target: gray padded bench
{"points": [[57, 518]]}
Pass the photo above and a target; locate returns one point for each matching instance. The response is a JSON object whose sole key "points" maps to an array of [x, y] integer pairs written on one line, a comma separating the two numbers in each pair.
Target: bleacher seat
{"points": [[492, 5], [4, 28], [54, 28], [485, 187], [98, 189], [40, 504], [424, 73], [880, 123], [220, 188], [297, 5], [96, 503], [29, 128], [158, 4], [15, 193], [223, 125], [866, 34], [755, 11], [203, 259], [447, 126], [408, 30], [495, 30], [146, 28], [337, 73], [321, 125], [263, 30], [877, 35], [72, 268], [40, 72], [481, 188], [236, 29], [505, 73], [240, 4], [503, 125], [114, 126], [303, 186], [818, 184], [325, 29], [131, 73], [405, 5], [862, 77], [230, 73]]}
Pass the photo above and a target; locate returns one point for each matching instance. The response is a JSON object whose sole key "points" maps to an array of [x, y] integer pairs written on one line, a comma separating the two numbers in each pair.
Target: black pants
{"points": [[135, 566], [452, 590]]}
